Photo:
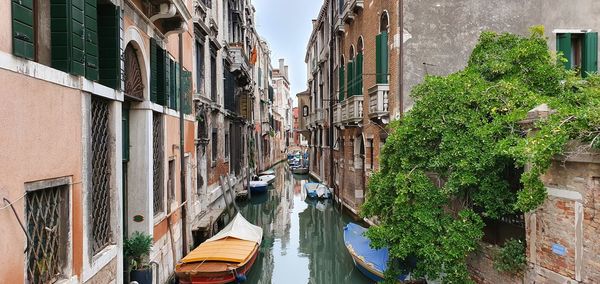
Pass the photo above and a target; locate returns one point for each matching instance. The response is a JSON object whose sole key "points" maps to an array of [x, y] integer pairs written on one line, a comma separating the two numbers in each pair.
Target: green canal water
{"points": [[303, 241]]}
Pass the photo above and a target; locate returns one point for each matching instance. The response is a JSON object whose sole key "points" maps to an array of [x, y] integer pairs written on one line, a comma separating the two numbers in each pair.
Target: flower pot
{"points": [[143, 276]]}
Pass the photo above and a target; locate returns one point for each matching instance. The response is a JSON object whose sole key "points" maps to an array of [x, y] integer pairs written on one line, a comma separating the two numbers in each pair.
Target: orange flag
{"points": [[253, 55]]}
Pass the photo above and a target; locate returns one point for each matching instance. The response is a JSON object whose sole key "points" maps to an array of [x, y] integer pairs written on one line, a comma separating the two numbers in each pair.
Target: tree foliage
{"points": [[442, 168]]}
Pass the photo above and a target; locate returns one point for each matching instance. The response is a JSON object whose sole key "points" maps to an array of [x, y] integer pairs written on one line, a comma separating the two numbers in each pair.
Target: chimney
{"points": [[281, 63], [285, 72], [314, 22]]}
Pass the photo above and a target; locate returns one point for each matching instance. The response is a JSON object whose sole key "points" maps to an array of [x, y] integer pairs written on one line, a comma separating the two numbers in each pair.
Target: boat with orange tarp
{"points": [[224, 258]]}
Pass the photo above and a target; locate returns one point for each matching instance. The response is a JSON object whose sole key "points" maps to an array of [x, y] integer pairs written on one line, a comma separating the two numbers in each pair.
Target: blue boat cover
{"points": [[354, 236]]}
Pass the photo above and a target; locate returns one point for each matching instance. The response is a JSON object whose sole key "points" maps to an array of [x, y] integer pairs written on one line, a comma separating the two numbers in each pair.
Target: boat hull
{"points": [[300, 171], [217, 277], [259, 188]]}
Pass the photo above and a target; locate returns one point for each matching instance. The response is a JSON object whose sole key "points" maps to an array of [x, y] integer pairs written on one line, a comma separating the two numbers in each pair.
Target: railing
{"points": [[337, 114], [352, 109], [378, 102], [339, 24], [238, 58], [351, 7]]}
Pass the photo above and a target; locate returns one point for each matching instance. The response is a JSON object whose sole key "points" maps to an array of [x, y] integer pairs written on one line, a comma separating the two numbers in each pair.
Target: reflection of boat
{"points": [[300, 170], [267, 178], [258, 186], [317, 190], [267, 172], [371, 262], [224, 258], [259, 198]]}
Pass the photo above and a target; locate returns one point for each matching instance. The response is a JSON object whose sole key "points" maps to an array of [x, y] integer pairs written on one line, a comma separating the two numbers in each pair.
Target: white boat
{"points": [[267, 178], [257, 186], [267, 172]]}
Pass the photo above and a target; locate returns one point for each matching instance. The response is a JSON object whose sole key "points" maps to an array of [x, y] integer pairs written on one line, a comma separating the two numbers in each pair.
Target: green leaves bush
{"points": [[463, 133], [137, 249], [511, 257]]}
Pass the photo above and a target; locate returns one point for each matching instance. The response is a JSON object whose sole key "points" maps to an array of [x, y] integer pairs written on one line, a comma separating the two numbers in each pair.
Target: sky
{"points": [[286, 25]]}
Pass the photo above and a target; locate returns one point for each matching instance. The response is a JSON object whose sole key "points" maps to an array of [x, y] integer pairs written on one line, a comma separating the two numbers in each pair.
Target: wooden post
{"points": [[224, 194], [231, 192]]}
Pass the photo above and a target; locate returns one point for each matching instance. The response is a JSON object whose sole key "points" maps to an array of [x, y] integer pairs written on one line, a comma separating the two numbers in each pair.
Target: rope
{"points": [[25, 194]]}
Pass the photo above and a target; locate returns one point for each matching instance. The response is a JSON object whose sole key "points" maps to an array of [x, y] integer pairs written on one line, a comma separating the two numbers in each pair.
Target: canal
{"points": [[303, 241]]}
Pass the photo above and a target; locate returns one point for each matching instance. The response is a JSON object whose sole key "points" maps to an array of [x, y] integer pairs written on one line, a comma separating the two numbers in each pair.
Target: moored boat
{"points": [[224, 258], [371, 262], [317, 190], [267, 172], [267, 178], [300, 170], [258, 186]]}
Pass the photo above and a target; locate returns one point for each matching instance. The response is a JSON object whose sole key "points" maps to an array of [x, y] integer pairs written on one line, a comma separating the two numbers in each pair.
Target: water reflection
{"points": [[303, 240]]}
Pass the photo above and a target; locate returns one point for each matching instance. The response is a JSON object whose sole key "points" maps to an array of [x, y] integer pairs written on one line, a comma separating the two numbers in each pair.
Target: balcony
{"points": [[239, 62], [337, 114], [339, 25], [319, 117], [351, 8], [378, 102], [352, 110]]}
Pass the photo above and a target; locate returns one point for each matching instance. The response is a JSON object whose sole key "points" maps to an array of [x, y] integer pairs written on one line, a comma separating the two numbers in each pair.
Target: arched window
{"points": [[134, 83], [350, 77], [342, 79], [382, 50], [358, 84], [384, 22], [305, 111]]}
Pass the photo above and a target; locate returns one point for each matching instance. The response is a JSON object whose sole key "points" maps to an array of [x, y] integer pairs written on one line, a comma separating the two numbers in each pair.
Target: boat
{"points": [[267, 172], [267, 178], [300, 170], [317, 190], [226, 257], [371, 262], [258, 186]]}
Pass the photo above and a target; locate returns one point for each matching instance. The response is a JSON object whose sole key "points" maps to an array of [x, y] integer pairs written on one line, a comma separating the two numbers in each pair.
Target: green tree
{"points": [[447, 156]]}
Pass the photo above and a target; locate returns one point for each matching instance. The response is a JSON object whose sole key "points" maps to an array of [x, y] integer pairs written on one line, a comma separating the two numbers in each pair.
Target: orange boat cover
{"points": [[229, 250]]}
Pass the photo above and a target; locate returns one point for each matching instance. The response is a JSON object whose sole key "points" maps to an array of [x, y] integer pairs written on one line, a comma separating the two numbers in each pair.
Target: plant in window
{"points": [[137, 251]]}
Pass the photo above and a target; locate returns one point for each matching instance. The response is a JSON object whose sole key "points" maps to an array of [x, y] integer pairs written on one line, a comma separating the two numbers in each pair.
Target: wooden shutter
{"points": [[109, 45], [125, 132], [167, 79], [359, 71], [381, 59], [187, 91], [67, 36], [162, 85], [589, 60], [23, 37], [563, 44], [350, 82], [342, 82], [91, 39], [153, 71]]}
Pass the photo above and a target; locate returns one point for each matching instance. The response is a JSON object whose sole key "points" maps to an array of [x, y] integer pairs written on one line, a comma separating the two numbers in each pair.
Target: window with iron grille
{"points": [[157, 157], [215, 143], [99, 212], [47, 218]]}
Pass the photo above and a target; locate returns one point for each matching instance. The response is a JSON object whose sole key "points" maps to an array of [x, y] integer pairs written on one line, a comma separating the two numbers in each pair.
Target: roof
{"points": [[229, 250]]}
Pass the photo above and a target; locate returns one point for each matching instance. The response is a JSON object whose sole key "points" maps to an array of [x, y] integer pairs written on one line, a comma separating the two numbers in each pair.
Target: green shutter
{"points": [[153, 71], [350, 82], [589, 60], [23, 37], [162, 77], [342, 82], [381, 58], [91, 39], [109, 45], [359, 78], [67, 36], [167, 79], [125, 132], [178, 86], [563, 44], [187, 92]]}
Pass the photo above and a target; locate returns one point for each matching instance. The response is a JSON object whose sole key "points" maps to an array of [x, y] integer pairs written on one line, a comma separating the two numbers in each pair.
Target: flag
{"points": [[253, 55]]}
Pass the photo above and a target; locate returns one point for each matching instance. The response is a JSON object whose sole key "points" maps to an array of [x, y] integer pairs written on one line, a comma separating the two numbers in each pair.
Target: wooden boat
{"points": [[258, 186], [300, 170], [317, 190], [267, 172], [267, 178], [371, 262], [224, 258]]}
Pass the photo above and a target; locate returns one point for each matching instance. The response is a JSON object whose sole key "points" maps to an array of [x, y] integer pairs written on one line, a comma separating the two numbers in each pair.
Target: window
{"points": [[580, 51], [358, 85], [215, 144], [47, 223], [305, 111], [64, 34], [157, 157], [99, 212], [171, 181], [371, 154], [227, 145], [342, 79], [199, 67], [213, 76]]}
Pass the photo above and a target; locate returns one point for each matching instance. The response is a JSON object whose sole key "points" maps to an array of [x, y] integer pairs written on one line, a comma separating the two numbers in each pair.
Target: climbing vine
{"points": [[443, 167]]}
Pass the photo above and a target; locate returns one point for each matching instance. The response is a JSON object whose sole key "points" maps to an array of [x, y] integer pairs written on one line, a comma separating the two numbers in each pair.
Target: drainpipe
{"points": [[166, 11], [331, 100], [182, 151], [400, 55]]}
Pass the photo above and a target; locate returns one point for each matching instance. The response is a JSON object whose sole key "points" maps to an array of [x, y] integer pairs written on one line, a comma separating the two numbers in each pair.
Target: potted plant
{"points": [[137, 252]]}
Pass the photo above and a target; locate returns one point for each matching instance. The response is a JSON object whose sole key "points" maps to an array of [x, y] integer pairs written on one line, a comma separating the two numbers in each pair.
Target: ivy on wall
{"points": [[447, 156]]}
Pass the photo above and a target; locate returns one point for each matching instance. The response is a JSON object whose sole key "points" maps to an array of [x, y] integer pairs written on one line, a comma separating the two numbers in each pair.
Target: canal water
{"points": [[303, 240]]}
